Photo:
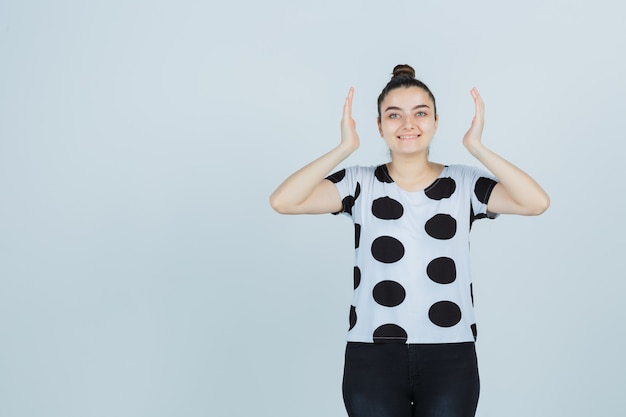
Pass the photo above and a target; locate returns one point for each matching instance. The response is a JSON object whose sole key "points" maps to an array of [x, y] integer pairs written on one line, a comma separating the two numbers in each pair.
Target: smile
{"points": [[407, 137]]}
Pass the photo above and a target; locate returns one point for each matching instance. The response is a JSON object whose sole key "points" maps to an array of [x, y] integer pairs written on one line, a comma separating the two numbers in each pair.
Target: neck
{"points": [[410, 167], [413, 172]]}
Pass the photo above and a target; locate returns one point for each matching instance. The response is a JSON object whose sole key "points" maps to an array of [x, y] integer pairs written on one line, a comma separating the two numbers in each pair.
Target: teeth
{"points": [[408, 137]]}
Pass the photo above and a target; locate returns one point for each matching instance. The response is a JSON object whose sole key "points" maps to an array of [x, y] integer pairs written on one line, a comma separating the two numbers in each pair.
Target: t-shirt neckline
{"points": [[424, 190]]}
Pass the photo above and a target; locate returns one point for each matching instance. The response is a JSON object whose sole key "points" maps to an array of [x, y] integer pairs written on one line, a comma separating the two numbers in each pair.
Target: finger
{"points": [[476, 95], [479, 103], [347, 107]]}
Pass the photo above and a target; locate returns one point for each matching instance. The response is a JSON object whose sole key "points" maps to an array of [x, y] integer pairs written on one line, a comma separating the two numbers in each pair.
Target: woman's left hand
{"points": [[516, 191], [473, 136]]}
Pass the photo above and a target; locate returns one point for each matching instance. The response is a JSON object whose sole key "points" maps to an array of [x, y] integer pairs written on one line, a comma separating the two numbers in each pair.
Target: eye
{"points": [[394, 115], [421, 113]]}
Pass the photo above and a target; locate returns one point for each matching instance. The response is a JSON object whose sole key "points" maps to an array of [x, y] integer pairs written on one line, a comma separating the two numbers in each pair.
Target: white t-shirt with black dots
{"points": [[412, 279]]}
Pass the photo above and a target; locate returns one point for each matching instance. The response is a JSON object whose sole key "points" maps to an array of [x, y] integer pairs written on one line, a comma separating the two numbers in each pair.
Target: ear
{"points": [[380, 128]]}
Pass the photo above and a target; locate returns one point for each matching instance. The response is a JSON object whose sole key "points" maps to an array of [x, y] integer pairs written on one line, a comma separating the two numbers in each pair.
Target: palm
{"points": [[474, 134], [349, 137]]}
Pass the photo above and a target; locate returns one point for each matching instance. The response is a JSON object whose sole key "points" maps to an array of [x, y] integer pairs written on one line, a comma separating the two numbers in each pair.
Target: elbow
{"points": [[278, 205], [540, 206]]}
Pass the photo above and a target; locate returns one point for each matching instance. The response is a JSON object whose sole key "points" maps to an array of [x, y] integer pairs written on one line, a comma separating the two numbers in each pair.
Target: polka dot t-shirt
{"points": [[412, 279]]}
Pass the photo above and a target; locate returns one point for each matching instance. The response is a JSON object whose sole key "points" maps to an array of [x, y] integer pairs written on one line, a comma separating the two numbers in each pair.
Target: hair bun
{"points": [[403, 70]]}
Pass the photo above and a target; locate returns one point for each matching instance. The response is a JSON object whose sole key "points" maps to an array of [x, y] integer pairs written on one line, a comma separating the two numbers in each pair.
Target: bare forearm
{"points": [[520, 187], [305, 191], [301, 184]]}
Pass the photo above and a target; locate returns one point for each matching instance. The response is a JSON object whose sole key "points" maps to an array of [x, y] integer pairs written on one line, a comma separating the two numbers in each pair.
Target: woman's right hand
{"points": [[306, 190], [349, 137]]}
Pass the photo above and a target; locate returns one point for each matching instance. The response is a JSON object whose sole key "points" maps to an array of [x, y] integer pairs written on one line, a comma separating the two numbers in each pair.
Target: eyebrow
{"points": [[419, 106]]}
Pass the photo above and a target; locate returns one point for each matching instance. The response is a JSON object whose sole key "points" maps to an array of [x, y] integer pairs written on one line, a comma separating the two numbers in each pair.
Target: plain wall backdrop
{"points": [[143, 273]]}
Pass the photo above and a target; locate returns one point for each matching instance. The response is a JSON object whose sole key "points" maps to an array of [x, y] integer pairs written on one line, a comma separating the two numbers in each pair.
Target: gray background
{"points": [[143, 273]]}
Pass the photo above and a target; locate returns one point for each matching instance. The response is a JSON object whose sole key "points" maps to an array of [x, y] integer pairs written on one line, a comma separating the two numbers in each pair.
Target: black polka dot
{"points": [[347, 203], [390, 333], [357, 277], [357, 190], [387, 249], [442, 270], [352, 317], [382, 174], [357, 235], [386, 208], [444, 314], [474, 331], [483, 189], [337, 176], [389, 293], [474, 216], [443, 188], [441, 226]]}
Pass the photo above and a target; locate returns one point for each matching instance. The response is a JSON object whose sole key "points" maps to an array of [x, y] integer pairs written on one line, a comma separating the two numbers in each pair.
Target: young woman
{"points": [[410, 348]]}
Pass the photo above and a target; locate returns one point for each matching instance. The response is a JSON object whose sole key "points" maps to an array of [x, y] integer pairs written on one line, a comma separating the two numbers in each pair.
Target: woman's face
{"points": [[407, 120]]}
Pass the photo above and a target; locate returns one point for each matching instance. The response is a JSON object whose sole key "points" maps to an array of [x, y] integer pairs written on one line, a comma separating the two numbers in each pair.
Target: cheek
{"points": [[386, 132], [429, 125], [387, 127], [382, 128]]}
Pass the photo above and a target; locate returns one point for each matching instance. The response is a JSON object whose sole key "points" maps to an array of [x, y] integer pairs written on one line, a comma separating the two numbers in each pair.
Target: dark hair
{"points": [[404, 76]]}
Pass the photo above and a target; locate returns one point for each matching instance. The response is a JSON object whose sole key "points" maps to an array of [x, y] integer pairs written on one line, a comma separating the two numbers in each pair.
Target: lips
{"points": [[408, 137]]}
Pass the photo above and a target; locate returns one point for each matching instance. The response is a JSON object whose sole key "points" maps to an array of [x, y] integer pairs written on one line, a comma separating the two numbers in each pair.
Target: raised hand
{"points": [[349, 137], [306, 190], [472, 138], [516, 191]]}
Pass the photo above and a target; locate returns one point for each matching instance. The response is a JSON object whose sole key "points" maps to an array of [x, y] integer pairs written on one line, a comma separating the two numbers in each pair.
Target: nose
{"points": [[409, 123]]}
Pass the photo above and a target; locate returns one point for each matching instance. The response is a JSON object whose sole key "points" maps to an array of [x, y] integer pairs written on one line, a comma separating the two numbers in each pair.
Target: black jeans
{"points": [[399, 380]]}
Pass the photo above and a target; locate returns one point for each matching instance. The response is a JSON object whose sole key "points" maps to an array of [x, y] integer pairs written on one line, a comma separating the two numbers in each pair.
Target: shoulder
{"points": [[470, 174], [351, 173], [465, 170]]}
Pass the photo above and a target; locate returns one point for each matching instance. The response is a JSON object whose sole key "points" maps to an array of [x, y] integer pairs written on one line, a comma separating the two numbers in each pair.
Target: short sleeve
{"points": [[348, 186], [482, 184]]}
